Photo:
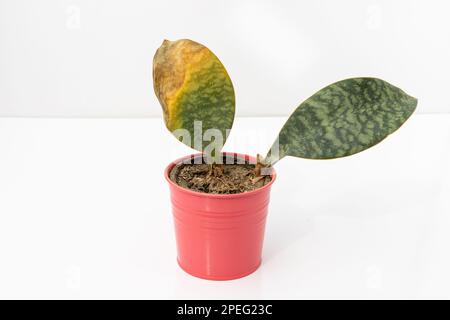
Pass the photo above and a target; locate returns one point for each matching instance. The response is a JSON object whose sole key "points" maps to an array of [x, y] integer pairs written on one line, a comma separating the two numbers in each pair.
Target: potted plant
{"points": [[220, 200]]}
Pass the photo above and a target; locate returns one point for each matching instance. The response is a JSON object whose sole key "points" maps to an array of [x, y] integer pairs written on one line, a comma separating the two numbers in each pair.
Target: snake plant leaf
{"points": [[342, 119], [195, 92]]}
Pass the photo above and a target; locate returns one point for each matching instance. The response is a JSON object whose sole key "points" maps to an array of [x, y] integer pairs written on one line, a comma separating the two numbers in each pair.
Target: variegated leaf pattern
{"points": [[342, 119], [192, 85]]}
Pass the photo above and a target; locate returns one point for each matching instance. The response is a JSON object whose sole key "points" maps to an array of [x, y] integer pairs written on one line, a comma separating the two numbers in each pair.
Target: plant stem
{"points": [[259, 165], [216, 169]]}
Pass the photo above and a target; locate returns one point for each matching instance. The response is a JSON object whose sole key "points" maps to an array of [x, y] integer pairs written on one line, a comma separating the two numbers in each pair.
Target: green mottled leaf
{"points": [[195, 92], [342, 119]]}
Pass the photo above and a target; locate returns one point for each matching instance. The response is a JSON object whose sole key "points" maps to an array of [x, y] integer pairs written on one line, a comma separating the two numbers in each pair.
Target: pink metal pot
{"points": [[219, 236]]}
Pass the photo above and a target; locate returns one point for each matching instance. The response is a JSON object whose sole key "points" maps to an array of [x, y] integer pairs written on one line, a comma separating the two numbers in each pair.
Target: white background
{"points": [[93, 57]]}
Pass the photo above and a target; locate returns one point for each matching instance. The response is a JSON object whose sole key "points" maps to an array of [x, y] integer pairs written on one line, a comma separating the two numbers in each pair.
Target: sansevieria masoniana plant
{"points": [[219, 205], [344, 118]]}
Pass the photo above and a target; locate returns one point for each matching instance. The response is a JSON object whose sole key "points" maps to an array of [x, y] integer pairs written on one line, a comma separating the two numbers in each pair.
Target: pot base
{"points": [[235, 277]]}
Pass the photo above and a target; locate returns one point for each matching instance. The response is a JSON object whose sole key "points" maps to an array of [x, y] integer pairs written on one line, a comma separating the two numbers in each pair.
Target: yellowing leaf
{"points": [[193, 86]]}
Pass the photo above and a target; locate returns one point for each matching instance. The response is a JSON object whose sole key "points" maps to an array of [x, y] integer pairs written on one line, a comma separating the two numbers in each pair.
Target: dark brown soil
{"points": [[220, 179]]}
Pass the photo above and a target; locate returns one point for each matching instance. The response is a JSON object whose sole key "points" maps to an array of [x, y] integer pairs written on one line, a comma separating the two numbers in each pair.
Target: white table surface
{"points": [[85, 213]]}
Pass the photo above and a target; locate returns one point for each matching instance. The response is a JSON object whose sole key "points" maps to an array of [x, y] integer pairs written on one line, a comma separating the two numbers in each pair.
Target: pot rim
{"points": [[215, 195]]}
